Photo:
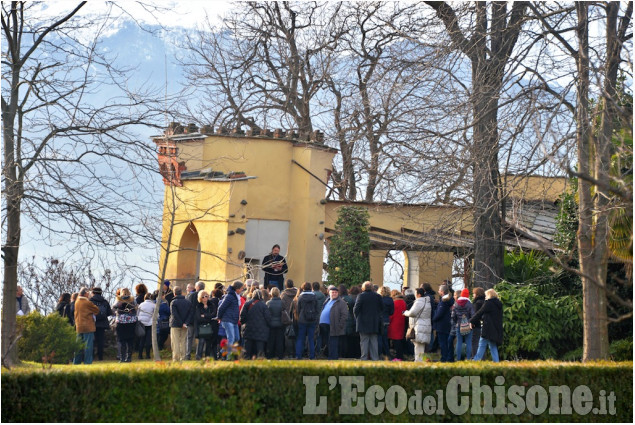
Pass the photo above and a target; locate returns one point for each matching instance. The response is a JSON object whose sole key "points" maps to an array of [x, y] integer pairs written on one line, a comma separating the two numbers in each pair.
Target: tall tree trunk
{"points": [[488, 247], [595, 341], [489, 49], [13, 198]]}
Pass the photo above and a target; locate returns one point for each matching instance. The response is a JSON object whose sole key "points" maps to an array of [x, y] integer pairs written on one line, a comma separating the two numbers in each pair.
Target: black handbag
{"points": [[164, 324], [289, 332], [205, 330], [139, 330]]}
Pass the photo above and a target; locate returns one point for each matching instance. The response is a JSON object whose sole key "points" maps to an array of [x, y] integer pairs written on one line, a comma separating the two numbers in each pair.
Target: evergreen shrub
{"points": [[50, 337], [274, 391]]}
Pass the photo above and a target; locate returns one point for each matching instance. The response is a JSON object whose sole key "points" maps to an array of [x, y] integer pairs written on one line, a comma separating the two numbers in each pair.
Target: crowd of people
{"points": [[365, 321]]}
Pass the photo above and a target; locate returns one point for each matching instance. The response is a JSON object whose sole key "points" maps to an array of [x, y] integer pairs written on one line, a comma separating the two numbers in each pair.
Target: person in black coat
{"points": [[257, 320], [275, 345], [64, 307], [441, 322], [205, 328], [478, 299], [388, 310], [102, 324], [368, 311], [275, 266], [491, 315]]}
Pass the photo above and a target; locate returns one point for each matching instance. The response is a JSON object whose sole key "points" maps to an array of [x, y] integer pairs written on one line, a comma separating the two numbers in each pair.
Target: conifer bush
{"points": [[47, 339], [349, 248]]}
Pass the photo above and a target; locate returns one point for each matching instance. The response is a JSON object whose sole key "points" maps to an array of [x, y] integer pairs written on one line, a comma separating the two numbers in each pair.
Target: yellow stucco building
{"points": [[230, 196]]}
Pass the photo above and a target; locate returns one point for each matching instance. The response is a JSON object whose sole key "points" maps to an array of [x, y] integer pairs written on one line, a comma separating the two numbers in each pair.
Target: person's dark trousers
{"points": [[163, 336], [325, 331], [275, 345], [451, 339], [207, 345], [384, 346], [434, 343], [254, 348], [446, 353], [305, 330], [191, 331], [343, 346], [409, 347], [289, 343], [354, 351], [334, 342], [99, 342], [398, 344], [126, 349], [146, 343]]}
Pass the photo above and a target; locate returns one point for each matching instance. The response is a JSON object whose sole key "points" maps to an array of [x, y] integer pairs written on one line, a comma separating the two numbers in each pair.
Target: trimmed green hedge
{"points": [[273, 391]]}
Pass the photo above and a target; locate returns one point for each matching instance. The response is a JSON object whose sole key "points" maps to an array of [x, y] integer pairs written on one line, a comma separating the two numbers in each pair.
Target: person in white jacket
{"points": [[420, 319], [144, 315]]}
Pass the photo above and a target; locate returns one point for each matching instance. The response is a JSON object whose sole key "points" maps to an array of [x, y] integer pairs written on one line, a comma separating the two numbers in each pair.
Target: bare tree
{"points": [[265, 66], [604, 191], [67, 146], [488, 43], [44, 283]]}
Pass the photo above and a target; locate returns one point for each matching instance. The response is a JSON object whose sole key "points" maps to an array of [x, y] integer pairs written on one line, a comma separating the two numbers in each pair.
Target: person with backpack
{"points": [[126, 313], [461, 314], [101, 320], [306, 315]]}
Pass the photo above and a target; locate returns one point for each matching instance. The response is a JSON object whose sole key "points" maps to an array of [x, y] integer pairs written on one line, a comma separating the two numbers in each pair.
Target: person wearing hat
{"points": [[333, 321], [462, 313], [168, 295], [101, 319]]}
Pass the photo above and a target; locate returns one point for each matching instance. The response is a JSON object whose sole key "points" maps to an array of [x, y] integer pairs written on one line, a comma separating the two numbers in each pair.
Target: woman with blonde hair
{"points": [[205, 327], [491, 318]]}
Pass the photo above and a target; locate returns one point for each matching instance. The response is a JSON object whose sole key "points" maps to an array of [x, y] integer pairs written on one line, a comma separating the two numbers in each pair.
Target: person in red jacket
{"points": [[396, 328]]}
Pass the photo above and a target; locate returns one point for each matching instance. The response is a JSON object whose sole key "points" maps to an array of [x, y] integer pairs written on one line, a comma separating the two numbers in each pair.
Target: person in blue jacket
{"points": [[229, 311], [441, 322]]}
